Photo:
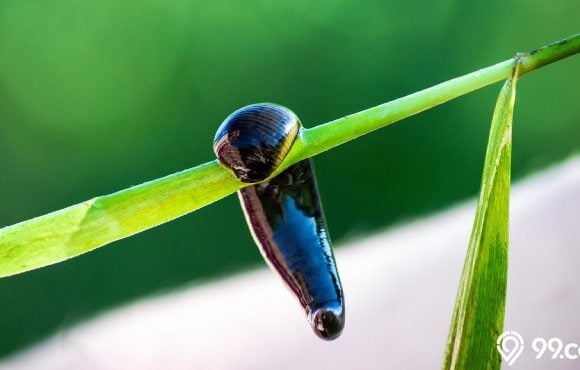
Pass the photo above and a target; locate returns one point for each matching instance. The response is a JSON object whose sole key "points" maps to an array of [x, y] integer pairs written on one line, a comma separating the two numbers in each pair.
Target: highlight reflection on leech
{"points": [[285, 213]]}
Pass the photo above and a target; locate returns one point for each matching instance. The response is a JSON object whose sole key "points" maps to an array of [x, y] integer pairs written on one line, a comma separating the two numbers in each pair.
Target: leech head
{"points": [[328, 321], [255, 139]]}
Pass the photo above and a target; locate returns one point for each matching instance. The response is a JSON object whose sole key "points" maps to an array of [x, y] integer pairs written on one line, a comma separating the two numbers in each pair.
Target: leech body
{"points": [[285, 213], [286, 220]]}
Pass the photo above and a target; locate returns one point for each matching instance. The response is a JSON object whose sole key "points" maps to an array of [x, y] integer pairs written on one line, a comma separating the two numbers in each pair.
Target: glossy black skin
{"points": [[287, 221], [284, 213], [253, 141]]}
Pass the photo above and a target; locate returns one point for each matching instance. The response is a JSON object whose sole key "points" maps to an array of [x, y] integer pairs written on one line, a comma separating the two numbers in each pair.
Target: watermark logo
{"points": [[510, 346]]}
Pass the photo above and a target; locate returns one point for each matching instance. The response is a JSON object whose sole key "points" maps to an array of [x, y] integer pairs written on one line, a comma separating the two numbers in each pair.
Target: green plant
{"points": [[479, 310], [80, 228]]}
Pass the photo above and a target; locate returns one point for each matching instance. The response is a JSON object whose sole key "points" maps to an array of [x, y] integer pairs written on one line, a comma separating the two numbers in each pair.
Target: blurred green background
{"points": [[96, 96]]}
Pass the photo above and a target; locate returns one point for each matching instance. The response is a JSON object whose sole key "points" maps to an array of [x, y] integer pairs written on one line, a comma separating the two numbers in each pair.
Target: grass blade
{"points": [[85, 226], [80, 228], [479, 309]]}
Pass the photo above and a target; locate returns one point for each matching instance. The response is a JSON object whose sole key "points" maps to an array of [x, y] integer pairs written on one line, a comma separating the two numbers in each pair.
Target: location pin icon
{"points": [[510, 346]]}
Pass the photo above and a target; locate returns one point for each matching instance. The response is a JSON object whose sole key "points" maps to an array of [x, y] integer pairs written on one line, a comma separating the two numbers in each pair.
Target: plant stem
{"points": [[326, 136], [80, 228]]}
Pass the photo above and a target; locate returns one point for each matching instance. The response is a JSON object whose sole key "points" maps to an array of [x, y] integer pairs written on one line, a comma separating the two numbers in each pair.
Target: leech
{"points": [[284, 213]]}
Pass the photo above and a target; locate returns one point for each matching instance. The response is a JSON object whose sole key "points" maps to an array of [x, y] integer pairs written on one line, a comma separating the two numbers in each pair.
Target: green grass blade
{"points": [[479, 309], [85, 226], [80, 228]]}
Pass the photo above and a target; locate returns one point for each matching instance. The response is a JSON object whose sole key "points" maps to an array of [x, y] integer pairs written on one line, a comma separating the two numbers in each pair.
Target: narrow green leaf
{"points": [[80, 228], [479, 309], [85, 226]]}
